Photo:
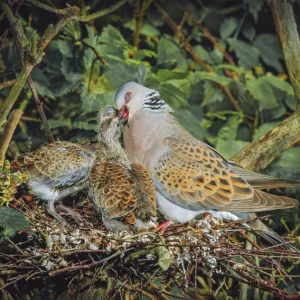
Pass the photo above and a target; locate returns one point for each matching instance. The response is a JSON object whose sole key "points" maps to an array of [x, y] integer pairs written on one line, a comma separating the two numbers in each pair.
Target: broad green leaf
{"points": [[279, 84], [198, 76], [85, 126], [204, 54], [184, 85], [112, 36], [212, 92], [65, 47], [59, 123], [249, 31], [94, 102], [173, 95], [270, 50], [190, 118], [263, 129], [165, 74], [291, 102], [262, 92], [170, 52], [11, 221], [228, 27], [247, 54], [229, 148], [229, 129]]}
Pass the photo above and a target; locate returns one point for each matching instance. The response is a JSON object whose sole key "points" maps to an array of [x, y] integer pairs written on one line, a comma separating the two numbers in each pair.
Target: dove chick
{"points": [[123, 193], [55, 171]]}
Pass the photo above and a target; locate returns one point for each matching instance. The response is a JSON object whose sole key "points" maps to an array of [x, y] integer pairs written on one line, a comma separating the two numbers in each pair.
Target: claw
{"points": [[162, 227]]}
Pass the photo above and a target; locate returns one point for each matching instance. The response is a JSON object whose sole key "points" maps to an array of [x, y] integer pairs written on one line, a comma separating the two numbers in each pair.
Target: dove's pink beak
{"points": [[123, 113]]}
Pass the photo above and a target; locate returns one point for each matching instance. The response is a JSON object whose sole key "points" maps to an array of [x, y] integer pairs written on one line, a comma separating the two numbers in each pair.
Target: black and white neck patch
{"points": [[153, 102]]}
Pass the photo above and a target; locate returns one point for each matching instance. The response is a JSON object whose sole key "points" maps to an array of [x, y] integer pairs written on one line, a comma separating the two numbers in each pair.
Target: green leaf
{"points": [[173, 95], [204, 54], [72, 29], [291, 102], [112, 36], [165, 74], [143, 53], [229, 129], [247, 54], [190, 118], [94, 102], [59, 123], [232, 68], [11, 221], [65, 48], [287, 164], [249, 31], [229, 148], [170, 52], [263, 129], [262, 92], [270, 50], [228, 27], [279, 84], [198, 76], [254, 7], [147, 28]]}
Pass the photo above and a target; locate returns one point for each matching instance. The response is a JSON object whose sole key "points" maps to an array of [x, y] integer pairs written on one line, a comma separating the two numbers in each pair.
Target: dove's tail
{"points": [[258, 180], [270, 236]]}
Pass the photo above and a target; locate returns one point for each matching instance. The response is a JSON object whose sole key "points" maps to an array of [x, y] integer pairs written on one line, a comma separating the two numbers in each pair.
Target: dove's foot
{"points": [[162, 227]]}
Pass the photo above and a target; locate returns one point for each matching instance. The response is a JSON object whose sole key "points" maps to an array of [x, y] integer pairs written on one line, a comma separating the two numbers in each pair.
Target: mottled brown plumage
{"points": [[57, 170], [119, 190]]}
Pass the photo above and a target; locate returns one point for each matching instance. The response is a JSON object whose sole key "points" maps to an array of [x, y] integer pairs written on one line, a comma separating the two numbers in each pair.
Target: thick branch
{"points": [[9, 130], [257, 155], [288, 35]]}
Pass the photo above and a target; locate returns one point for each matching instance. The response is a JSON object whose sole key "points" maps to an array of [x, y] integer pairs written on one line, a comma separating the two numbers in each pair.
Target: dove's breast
{"points": [[144, 137]]}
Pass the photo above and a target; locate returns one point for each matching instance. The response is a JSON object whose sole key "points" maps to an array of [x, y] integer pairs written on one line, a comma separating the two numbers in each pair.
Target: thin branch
{"points": [[213, 40], [7, 83], [99, 57], [286, 28], [59, 11], [189, 48], [9, 130], [103, 12]]}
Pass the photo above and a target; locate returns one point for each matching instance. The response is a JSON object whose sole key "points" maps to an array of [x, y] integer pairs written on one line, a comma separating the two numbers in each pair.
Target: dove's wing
{"points": [[194, 176], [146, 204], [59, 164], [113, 190]]}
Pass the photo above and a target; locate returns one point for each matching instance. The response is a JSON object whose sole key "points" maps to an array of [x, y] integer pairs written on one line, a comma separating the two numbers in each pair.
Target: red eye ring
{"points": [[127, 97]]}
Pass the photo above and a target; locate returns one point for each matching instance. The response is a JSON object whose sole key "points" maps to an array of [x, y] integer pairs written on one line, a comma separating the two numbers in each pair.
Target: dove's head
{"points": [[133, 97], [109, 125]]}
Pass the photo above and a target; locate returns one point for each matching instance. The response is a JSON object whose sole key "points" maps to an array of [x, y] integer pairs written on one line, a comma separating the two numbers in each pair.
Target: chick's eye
{"points": [[127, 97]]}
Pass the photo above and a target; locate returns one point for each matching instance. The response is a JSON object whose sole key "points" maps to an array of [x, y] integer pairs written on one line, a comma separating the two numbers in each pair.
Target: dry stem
{"points": [[9, 130]]}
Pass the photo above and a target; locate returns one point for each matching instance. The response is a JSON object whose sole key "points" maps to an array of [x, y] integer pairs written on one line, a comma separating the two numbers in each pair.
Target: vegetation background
{"points": [[221, 68]]}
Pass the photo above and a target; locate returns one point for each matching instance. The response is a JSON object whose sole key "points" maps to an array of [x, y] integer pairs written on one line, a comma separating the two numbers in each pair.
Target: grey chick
{"points": [[120, 190]]}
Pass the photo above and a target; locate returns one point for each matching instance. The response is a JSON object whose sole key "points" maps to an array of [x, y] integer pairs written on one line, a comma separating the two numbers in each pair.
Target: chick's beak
{"points": [[123, 113]]}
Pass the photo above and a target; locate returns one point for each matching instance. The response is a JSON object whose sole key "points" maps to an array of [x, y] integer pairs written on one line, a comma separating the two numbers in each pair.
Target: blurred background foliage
{"points": [[87, 62]]}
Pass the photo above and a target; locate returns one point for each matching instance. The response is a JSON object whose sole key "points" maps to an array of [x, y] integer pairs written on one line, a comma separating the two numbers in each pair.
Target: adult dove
{"points": [[190, 176], [120, 190]]}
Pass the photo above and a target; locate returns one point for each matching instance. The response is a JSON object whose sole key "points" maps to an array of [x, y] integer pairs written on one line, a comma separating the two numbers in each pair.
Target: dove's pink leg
{"points": [[162, 227]]}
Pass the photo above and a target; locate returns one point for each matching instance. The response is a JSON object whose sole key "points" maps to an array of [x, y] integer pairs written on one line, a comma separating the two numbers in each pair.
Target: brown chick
{"points": [[119, 190]]}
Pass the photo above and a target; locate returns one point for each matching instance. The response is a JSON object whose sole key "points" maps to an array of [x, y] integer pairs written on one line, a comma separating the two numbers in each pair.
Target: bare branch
{"points": [[9, 130]]}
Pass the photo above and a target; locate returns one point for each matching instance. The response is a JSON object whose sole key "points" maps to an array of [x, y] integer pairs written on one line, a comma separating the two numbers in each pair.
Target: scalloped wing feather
{"points": [[113, 190], [193, 175]]}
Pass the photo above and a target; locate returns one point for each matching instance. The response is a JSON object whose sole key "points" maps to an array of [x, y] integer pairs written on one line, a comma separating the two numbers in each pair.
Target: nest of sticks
{"points": [[203, 258]]}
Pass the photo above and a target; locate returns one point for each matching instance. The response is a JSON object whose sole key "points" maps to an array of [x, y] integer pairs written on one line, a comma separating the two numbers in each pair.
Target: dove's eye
{"points": [[127, 97]]}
